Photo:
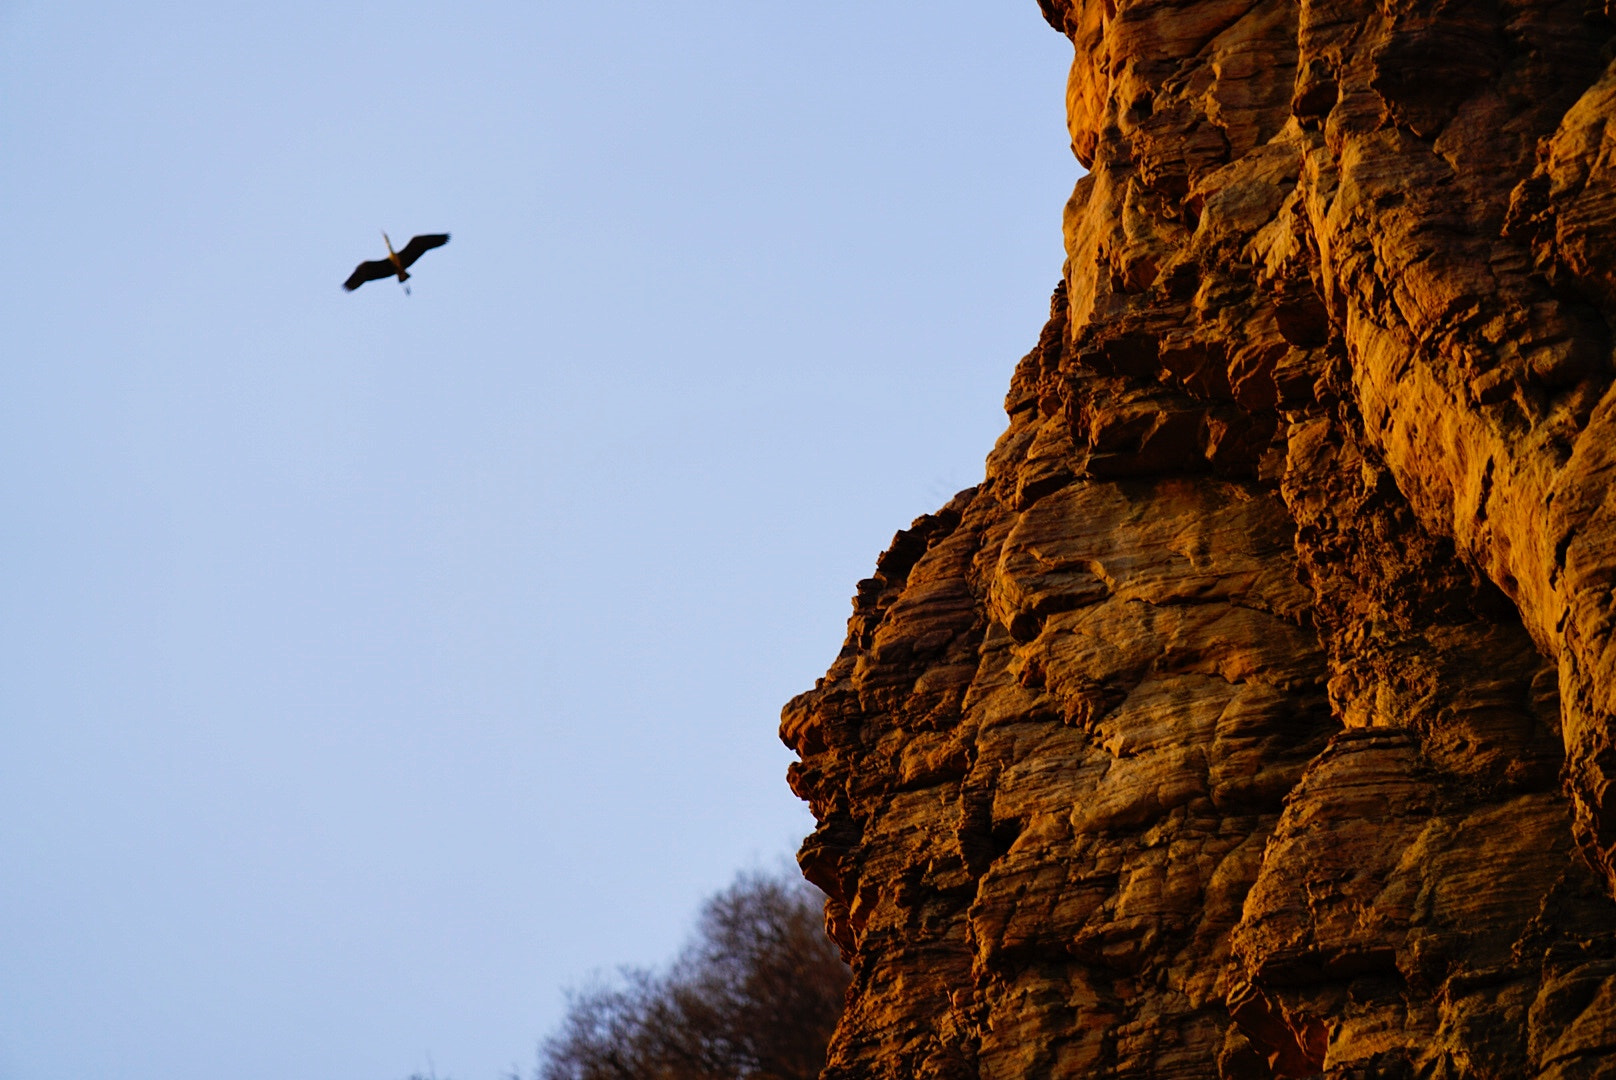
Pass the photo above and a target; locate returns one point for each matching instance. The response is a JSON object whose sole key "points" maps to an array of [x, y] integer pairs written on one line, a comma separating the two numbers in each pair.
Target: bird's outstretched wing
{"points": [[374, 270], [420, 245]]}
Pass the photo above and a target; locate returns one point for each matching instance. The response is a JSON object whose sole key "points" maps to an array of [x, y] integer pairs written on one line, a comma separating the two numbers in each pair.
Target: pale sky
{"points": [[374, 667]]}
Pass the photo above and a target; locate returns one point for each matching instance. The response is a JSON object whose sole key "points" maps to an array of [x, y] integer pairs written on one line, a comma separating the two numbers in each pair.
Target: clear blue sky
{"points": [[373, 667]]}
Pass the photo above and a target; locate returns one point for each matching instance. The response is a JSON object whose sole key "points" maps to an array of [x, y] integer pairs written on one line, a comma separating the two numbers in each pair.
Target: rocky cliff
{"points": [[1256, 715]]}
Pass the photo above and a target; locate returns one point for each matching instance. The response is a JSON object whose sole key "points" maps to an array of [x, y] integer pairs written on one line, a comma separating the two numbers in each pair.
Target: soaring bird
{"points": [[397, 262]]}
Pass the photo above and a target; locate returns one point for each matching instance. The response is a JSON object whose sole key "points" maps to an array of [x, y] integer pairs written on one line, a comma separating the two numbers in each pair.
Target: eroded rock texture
{"points": [[1256, 715]]}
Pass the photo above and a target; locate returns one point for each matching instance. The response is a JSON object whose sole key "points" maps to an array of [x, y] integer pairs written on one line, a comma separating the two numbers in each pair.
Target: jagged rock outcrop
{"points": [[1255, 716]]}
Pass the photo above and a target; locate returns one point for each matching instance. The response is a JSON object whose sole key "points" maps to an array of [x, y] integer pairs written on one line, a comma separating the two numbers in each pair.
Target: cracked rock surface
{"points": [[1255, 717]]}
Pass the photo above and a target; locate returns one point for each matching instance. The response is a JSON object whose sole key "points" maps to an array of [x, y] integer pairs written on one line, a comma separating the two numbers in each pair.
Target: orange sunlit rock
{"points": [[1255, 716]]}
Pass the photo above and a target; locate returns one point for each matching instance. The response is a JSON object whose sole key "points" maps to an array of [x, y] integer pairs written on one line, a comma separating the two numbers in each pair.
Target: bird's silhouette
{"points": [[397, 262]]}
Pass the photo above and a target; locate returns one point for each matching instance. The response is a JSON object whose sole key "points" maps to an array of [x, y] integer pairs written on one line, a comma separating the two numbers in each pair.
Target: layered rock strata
{"points": [[1255, 716]]}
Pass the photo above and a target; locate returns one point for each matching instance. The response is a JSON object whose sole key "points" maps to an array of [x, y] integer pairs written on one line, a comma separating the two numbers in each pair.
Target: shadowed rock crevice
{"points": [[1254, 716]]}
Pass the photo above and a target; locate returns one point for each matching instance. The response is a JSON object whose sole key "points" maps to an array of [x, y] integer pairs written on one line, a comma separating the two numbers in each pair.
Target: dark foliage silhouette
{"points": [[754, 996]]}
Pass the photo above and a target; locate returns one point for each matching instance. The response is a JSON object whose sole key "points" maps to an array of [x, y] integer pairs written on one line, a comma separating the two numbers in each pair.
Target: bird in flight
{"points": [[397, 262]]}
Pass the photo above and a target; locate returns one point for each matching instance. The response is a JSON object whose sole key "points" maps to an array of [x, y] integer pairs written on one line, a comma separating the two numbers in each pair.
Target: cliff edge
{"points": [[1255, 717]]}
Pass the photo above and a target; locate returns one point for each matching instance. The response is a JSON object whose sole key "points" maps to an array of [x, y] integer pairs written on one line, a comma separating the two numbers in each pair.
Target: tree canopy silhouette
{"points": [[755, 995]]}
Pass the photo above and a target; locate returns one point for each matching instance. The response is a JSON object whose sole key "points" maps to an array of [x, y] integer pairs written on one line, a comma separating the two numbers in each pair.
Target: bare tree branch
{"points": [[754, 996]]}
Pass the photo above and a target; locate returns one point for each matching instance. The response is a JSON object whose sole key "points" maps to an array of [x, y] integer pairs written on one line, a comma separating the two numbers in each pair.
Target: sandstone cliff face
{"points": [[1256, 715]]}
